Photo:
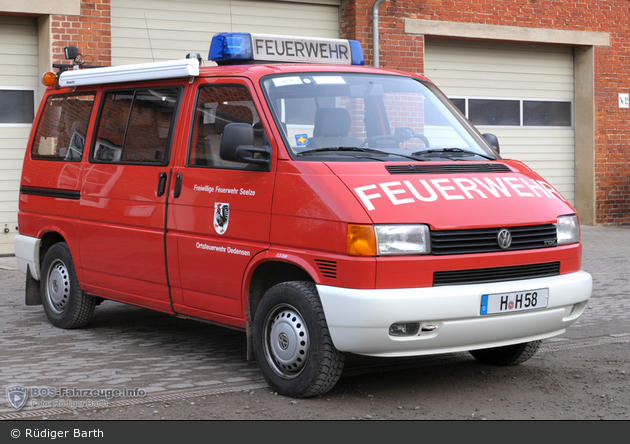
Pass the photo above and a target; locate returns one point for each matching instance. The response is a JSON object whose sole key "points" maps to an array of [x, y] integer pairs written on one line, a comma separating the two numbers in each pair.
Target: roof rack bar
{"points": [[126, 73]]}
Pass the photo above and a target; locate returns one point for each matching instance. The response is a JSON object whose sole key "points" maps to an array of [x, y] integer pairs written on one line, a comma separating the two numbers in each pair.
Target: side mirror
{"points": [[237, 145], [492, 140]]}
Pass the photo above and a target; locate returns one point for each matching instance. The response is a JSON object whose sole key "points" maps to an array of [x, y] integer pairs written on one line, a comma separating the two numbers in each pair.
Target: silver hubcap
{"points": [[287, 343], [58, 287]]}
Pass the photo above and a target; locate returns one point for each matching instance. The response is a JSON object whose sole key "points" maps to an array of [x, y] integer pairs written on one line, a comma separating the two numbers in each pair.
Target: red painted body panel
{"points": [[122, 230], [457, 200]]}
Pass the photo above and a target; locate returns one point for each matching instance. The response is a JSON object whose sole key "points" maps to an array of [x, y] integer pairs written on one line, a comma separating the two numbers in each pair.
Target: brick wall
{"points": [[90, 33], [612, 72]]}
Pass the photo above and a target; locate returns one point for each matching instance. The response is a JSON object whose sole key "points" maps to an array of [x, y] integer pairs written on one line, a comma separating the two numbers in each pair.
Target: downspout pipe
{"points": [[375, 38]]}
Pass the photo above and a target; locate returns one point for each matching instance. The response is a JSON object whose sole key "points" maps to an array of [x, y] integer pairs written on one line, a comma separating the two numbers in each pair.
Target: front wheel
{"points": [[508, 355], [292, 343], [65, 304]]}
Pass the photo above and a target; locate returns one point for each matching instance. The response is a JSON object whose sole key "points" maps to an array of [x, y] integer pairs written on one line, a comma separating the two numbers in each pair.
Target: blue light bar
{"points": [[231, 46], [357, 53], [239, 47]]}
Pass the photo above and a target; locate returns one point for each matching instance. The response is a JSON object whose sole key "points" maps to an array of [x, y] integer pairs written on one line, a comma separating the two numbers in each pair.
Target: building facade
{"points": [[549, 78]]}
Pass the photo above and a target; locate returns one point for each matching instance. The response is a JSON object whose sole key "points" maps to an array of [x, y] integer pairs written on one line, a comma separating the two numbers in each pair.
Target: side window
{"points": [[135, 126], [62, 127], [216, 107]]}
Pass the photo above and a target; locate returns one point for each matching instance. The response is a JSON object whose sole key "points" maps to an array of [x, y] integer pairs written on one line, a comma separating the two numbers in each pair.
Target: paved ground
{"points": [[606, 256], [170, 358], [123, 346]]}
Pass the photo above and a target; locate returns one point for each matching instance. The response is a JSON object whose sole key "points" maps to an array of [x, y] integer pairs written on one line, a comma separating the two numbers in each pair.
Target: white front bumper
{"points": [[359, 320]]}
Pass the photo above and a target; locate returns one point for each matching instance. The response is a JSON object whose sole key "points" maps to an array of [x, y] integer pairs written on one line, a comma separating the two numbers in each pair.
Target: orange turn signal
{"points": [[49, 79], [361, 240]]}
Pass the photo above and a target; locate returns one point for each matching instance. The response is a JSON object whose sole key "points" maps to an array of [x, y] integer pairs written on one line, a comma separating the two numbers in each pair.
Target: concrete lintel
{"points": [[509, 33], [38, 7]]}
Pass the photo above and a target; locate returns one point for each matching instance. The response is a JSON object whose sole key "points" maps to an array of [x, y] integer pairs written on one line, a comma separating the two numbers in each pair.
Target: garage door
{"points": [[522, 93], [19, 81], [153, 30]]}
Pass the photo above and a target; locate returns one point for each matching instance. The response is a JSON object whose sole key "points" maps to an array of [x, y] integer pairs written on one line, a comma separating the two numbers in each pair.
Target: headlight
{"points": [[402, 239], [568, 230]]}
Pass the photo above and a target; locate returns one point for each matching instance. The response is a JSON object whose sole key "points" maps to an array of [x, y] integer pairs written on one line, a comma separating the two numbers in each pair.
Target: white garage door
{"points": [[522, 93], [19, 80], [153, 30]]}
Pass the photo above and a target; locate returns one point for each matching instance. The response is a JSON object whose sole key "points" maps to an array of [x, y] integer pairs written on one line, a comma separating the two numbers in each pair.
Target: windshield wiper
{"points": [[452, 150], [355, 149]]}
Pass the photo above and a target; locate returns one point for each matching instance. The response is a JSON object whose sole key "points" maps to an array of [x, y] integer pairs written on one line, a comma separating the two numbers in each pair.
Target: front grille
{"points": [[497, 274], [448, 168], [484, 240]]}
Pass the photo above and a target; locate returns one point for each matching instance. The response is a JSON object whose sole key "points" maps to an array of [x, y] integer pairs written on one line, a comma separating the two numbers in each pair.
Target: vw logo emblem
{"points": [[504, 239], [283, 341]]}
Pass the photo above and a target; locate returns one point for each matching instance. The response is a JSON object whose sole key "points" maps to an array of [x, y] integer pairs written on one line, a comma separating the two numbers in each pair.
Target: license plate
{"points": [[514, 301]]}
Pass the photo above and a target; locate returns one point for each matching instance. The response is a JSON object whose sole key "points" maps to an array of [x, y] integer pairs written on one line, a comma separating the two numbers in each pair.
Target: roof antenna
{"points": [[149, 35], [231, 27]]}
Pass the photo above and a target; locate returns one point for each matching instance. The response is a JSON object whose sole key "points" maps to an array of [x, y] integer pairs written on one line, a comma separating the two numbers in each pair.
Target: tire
{"points": [[65, 304], [292, 343], [508, 355]]}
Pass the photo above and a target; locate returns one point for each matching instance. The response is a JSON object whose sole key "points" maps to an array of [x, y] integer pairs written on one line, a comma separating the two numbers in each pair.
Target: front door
{"points": [[220, 214]]}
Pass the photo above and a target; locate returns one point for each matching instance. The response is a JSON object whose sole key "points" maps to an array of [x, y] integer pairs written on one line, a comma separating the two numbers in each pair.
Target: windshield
{"points": [[350, 116]]}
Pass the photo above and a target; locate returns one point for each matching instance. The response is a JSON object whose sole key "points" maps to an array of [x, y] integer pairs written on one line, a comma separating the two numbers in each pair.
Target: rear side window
{"points": [[136, 126], [62, 127]]}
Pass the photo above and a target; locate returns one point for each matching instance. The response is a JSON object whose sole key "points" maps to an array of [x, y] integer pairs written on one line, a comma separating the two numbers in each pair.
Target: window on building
{"points": [[460, 104], [516, 112], [546, 113], [494, 112], [17, 106]]}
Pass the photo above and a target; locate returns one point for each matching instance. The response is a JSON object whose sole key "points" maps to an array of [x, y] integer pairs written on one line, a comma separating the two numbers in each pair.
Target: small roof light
{"points": [[49, 79], [239, 47]]}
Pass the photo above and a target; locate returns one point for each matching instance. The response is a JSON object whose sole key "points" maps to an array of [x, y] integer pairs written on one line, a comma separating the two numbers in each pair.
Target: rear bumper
{"points": [[27, 254], [359, 320]]}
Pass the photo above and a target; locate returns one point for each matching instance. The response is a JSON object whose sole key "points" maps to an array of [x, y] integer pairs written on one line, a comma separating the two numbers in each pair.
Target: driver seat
{"points": [[332, 126]]}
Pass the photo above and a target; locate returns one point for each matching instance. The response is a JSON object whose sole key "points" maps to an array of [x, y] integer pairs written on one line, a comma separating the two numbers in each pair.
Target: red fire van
{"points": [[322, 206]]}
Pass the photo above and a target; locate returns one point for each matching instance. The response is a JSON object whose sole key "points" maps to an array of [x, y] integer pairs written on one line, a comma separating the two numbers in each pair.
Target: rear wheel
{"points": [[65, 304], [292, 343], [508, 355]]}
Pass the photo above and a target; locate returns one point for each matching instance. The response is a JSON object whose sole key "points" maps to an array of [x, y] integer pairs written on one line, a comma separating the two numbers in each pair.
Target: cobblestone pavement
{"points": [[606, 256], [123, 346], [126, 346]]}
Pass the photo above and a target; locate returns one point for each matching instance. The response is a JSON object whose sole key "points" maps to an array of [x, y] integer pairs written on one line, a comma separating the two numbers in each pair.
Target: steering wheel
{"points": [[382, 137], [397, 139]]}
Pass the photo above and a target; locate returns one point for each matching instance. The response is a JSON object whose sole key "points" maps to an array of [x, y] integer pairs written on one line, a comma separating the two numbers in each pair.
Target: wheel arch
{"points": [[52, 236], [268, 274], [265, 275], [49, 239]]}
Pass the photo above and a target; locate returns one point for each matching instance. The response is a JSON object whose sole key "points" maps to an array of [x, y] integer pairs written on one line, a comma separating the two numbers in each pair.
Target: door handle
{"points": [[161, 184], [178, 185]]}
